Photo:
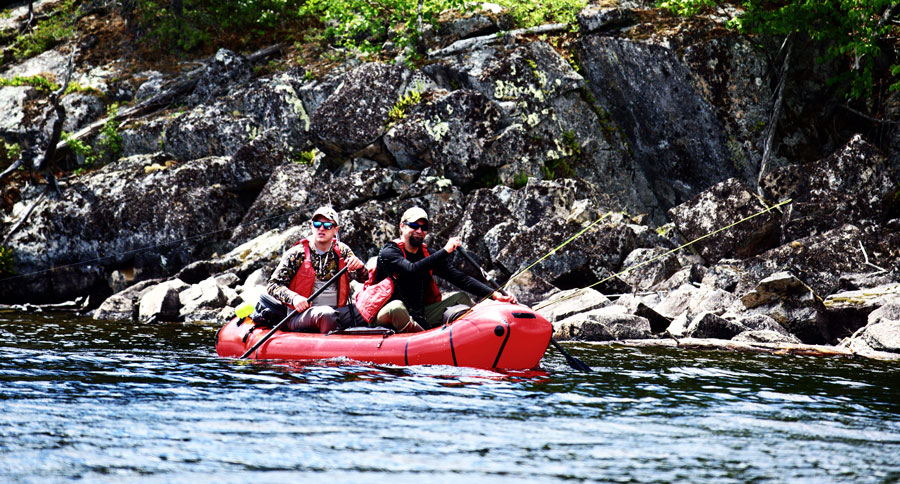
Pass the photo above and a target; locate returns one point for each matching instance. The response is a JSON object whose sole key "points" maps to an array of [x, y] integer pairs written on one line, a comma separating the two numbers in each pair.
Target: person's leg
{"points": [[317, 319], [434, 312], [392, 315]]}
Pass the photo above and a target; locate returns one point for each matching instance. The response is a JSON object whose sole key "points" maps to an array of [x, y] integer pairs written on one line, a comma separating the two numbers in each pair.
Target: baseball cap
{"points": [[413, 214], [326, 212]]}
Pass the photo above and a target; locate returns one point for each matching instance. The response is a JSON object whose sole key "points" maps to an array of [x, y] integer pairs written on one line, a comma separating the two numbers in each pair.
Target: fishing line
{"points": [[654, 259], [151, 247], [560, 246]]}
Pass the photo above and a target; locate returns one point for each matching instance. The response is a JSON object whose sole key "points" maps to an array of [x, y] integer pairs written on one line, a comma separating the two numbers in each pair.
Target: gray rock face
{"points": [[448, 134], [273, 104], [824, 260], [850, 310], [679, 143], [122, 305], [484, 211], [12, 104], [596, 18], [161, 302], [792, 304], [585, 260], [114, 214], [721, 205], [849, 186], [81, 109], [208, 131], [224, 70], [734, 75], [651, 267], [550, 129], [569, 303], [602, 325], [710, 325], [355, 115], [203, 301]]}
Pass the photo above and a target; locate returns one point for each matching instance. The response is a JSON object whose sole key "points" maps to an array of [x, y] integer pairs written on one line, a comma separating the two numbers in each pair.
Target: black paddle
{"points": [[571, 360], [292, 313]]}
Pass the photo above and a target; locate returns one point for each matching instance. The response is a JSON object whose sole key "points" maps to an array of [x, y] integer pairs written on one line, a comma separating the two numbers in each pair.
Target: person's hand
{"points": [[452, 244], [354, 264], [300, 303], [505, 298]]}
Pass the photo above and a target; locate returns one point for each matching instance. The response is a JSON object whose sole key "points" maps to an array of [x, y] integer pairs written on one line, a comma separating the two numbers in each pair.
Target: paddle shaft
{"points": [[571, 360], [292, 313]]}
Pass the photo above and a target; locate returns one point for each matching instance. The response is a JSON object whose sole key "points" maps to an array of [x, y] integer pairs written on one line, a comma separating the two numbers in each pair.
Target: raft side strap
{"points": [[502, 346], [406, 353], [384, 337], [452, 349]]}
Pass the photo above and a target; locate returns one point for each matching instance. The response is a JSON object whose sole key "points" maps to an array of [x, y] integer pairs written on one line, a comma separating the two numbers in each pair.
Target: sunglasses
{"points": [[327, 225], [416, 225]]}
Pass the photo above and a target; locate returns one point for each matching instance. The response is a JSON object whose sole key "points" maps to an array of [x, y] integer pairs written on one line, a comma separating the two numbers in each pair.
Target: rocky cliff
{"points": [[515, 143]]}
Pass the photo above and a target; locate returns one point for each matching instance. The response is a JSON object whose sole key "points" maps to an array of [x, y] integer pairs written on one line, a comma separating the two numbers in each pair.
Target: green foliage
{"points": [[110, 141], [38, 82], [108, 146], [6, 262], [46, 33], [80, 148], [364, 25], [530, 13], [520, 180], [9, 153], [199, 20], [851, 29], [398, 110], [306, 157]]}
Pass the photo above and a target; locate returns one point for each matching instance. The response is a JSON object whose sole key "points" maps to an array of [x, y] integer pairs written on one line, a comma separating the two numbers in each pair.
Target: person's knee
{"points": [[393, 314]]}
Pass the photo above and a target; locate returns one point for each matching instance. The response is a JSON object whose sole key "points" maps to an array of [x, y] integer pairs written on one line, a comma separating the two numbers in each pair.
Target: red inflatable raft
{"points": [[492, 335]]}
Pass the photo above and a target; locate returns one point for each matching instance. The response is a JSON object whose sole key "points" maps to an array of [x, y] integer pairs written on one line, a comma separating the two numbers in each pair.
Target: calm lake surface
{"points": [[82, 400]]}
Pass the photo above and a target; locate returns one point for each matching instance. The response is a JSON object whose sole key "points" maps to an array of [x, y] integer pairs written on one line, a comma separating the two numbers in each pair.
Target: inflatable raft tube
{"points": [[492, 336]]}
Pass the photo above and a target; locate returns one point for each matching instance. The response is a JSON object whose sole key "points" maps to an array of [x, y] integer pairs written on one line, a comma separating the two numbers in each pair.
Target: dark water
{"points": [[106, 402]]}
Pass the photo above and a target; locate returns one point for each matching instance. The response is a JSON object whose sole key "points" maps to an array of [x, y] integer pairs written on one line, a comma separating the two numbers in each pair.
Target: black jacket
{"points": [[412, 276]]}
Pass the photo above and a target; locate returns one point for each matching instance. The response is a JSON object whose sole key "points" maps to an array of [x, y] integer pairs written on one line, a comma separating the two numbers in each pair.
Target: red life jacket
{"points": [[305, 279], [374, 296]]}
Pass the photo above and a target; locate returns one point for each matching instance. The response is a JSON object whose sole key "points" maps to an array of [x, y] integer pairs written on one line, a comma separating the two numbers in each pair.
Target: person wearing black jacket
{"points": [[416, 299]]}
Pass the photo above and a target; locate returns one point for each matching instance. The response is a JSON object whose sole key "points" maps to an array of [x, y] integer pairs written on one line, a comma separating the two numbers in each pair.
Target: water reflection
{"points": [[112, 402]]}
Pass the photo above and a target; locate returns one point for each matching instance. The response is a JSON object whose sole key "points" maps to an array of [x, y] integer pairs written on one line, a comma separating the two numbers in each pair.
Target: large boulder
{"points": [[679, 144], [824, 260], [850, 186], [571, 302], [112, 217], [605, 324], [448, 133], [551, 129], [718, 207], [354, 117], [792, 304]]}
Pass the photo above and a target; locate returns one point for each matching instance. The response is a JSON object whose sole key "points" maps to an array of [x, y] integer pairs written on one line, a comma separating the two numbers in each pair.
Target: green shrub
{"points": [[6, 262], [530, 13], [852, 30], [364, 25], [47, 33]]}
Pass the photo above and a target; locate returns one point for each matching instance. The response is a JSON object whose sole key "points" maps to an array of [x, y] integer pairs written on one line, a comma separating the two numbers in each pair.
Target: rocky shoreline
{"points": [[515, 144]]}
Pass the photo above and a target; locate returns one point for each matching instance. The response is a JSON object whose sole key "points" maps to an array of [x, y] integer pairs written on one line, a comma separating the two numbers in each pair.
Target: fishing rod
{"points": [[293, 313], [654, 259]]}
